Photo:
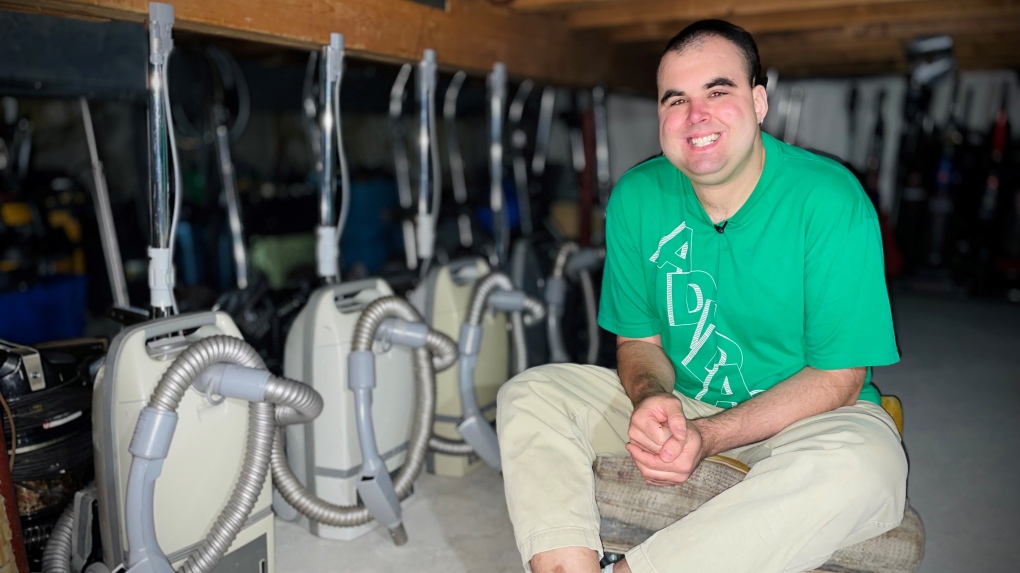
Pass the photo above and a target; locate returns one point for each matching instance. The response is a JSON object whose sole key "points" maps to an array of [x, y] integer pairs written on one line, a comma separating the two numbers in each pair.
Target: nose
{"points": [[697, 112]]}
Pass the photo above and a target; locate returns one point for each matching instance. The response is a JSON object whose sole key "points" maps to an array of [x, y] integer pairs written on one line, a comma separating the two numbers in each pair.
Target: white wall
{"points": [[633, 132]]}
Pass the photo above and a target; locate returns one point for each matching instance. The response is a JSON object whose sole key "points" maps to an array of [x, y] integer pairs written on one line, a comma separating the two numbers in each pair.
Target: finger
{"points": [[649, 435], [654, 408], [647, 459], [659, 477], [683, 465], [678, 426], [671, 450], [674, 446], [664, 478]]}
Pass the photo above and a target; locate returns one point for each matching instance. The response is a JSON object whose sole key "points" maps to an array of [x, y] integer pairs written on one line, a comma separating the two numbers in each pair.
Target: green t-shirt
{"points": [[795, 278]]}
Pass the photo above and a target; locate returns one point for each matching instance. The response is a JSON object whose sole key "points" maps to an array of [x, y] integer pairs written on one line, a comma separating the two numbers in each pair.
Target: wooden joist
{"points": [[937, 16], [586, 42], [821, 37], [613, 14], [470, 34]]}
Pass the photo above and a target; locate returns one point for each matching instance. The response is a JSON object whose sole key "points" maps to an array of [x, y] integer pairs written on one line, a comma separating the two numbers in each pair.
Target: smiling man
{"points": [[744, 281]]}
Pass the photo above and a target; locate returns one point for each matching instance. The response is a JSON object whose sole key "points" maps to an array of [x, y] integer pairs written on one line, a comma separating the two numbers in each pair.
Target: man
{"points": [[744, 281]]}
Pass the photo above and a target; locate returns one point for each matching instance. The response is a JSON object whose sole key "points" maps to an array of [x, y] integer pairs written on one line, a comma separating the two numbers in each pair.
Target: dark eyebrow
{"points": [[725, 82], [720, 81], [670, 93]]}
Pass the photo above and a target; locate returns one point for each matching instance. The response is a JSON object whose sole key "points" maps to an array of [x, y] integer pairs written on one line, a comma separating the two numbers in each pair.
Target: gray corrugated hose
{"points": [[555, 293], [534, 311], [439, 353], [286, 402], [57, 556]]}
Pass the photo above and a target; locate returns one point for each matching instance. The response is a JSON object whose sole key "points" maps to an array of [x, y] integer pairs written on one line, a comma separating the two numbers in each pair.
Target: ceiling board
{"points": [[620, 13], [470, 34], [937, 15]]}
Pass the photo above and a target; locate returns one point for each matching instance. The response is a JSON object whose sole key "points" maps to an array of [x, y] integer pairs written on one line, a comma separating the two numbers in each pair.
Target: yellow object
{"points": [[895, 409], [16, 214], [566, 216], [64, 219], [277, 257]]}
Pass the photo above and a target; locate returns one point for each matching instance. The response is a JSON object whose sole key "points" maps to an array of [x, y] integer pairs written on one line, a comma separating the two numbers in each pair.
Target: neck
{"points": [[722, 200]]}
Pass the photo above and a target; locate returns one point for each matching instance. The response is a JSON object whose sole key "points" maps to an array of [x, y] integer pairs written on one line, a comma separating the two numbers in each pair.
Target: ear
{"points": [[761, 102]]}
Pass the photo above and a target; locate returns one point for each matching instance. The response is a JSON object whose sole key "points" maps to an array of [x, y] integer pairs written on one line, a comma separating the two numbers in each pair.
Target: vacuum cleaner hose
{"points": [[57, 555], [534, 311], [439, 353], [557, 346], [291, 402], [287, 402]]}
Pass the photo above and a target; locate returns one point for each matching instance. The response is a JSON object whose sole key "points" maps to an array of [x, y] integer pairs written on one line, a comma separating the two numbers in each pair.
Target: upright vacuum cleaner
{"points": [[531, 253], [574, 262], [348, 340], [207, 443], [454, 299]]}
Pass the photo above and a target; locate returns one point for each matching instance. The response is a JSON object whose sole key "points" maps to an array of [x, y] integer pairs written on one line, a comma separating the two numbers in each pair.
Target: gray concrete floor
{"points": [[959, 381]]}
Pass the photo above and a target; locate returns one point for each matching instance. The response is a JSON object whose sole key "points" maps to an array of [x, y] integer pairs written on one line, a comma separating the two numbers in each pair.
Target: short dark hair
{"points": [[736, 35]]}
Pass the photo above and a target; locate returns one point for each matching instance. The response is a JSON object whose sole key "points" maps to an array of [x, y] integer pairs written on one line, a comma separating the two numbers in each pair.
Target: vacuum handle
{"points": [[228, 178]]}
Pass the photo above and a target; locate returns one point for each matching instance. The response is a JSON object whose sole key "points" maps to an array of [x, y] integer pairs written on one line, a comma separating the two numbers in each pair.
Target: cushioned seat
{"points": [[632, 511]]}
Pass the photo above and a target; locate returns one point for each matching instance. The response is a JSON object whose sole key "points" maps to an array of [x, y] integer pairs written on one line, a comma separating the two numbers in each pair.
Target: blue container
{"points": [[371, 225], [52, 309]]}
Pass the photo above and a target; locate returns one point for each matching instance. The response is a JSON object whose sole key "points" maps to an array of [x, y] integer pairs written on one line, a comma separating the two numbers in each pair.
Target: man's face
{"points": [[708, 111]]}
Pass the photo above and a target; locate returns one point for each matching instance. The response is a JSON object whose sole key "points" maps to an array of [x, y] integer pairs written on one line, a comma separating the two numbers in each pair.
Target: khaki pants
{"points": [[823, 483]]}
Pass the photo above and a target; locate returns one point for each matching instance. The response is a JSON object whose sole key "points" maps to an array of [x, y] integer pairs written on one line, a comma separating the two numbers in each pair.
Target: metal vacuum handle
{"points": [[497, 103], [228, 178], [518, 146], [104, 214]]}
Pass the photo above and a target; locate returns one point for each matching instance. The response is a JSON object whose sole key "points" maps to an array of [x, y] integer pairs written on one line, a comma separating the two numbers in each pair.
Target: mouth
{"points": [[703, 141]]}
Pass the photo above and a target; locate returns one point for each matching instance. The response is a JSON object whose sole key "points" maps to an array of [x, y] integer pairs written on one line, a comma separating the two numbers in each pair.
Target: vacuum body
{"points": [[325, 454], [444, 299], [204, 459]]}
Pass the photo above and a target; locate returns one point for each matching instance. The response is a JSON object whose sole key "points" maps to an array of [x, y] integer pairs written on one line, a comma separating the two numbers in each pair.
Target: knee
{"points": [[517, 387], [867, 475], [549, 380], [523, 389]]}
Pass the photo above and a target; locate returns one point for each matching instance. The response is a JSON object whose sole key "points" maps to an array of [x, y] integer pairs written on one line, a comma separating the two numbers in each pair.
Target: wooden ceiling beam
{"points": [[470, 34], [936, 14], [558, 5], [614, 14]]}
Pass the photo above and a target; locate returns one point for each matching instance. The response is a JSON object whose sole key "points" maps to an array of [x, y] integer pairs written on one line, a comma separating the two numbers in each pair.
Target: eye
{"points": [[677, 101], [716, 93]]}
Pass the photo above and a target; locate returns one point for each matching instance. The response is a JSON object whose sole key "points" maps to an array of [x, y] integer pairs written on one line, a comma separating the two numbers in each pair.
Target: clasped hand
{"points": [[665, 446]]}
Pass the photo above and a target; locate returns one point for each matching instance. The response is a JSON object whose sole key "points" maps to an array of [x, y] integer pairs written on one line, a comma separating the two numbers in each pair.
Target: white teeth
{"points": [[703, 141]]}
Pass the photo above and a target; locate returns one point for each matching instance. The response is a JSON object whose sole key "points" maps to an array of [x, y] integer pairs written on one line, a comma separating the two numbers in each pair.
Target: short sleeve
{"points": [[848, 321], [625, 308]]}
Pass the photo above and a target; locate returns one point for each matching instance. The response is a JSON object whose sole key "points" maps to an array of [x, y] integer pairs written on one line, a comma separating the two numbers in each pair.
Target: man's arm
{"points": [[644, 368], [807, 393], [657, 425]]}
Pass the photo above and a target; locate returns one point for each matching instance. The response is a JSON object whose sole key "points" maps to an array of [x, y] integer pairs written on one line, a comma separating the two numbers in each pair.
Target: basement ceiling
{"points": [[807, 37], [587, 42]]}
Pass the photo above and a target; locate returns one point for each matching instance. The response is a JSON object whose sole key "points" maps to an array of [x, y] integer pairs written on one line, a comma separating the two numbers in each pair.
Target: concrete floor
{"points": [[959, 381]]}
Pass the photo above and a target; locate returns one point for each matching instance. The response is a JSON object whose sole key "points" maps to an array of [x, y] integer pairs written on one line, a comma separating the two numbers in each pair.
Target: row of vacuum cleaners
{"points": [[191, 432]]}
